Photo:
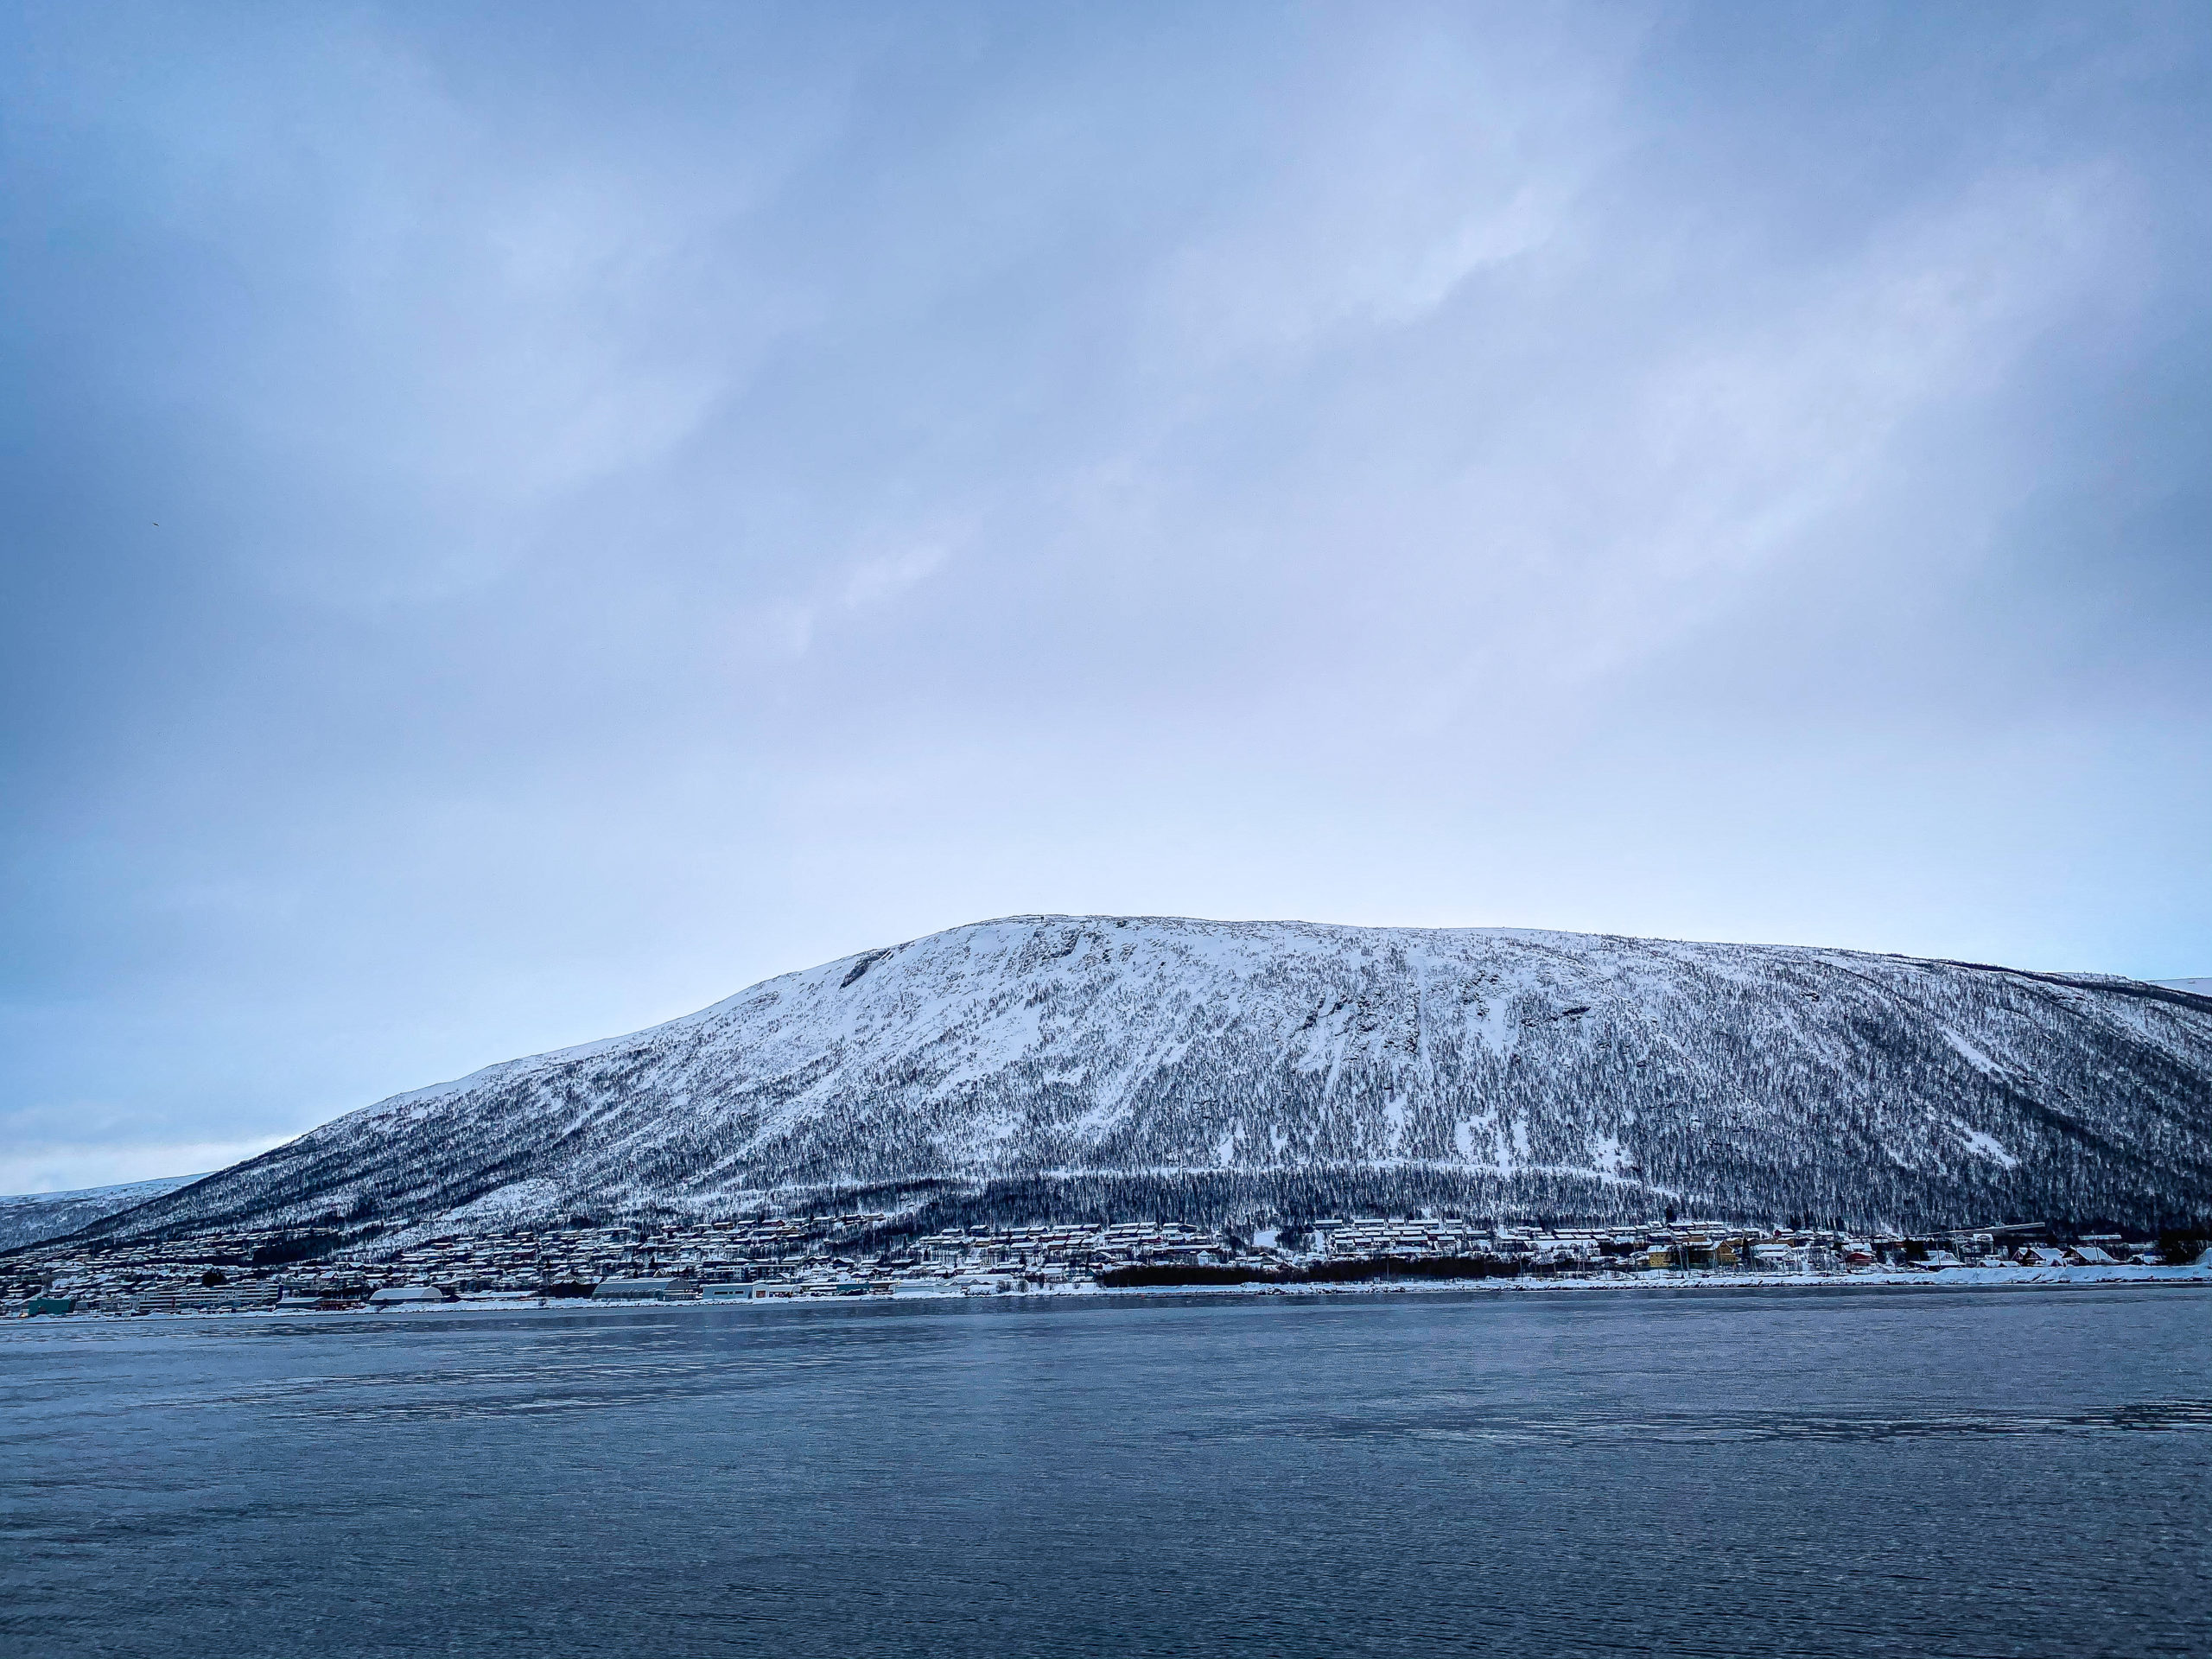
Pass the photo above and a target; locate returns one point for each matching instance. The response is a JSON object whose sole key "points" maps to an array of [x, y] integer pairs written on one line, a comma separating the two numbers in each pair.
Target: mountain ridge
{"points": [[1225, 1071], [31, 1217]]}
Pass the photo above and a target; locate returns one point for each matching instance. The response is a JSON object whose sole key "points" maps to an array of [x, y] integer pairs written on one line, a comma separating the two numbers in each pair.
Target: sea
{"points": [[1917, 1472]]}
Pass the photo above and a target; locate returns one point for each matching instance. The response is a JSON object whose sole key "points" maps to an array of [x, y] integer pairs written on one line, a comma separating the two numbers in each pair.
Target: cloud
{"points": [[70, 1167], [1738, 446], [642, 508], [877, 580], [1425, 153]]}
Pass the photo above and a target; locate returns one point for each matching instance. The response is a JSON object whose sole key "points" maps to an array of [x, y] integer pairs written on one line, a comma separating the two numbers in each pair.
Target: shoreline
{"points": [[1668, 1280]]}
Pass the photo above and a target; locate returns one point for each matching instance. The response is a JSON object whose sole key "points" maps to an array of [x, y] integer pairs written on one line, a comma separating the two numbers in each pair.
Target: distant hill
{"points": [[1243, 1070], [28, 1217], [2194, 987]]}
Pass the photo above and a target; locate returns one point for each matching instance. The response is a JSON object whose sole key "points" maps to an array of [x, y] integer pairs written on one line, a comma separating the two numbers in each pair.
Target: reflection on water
{"points": [[1721, 1426], [1952, 1473]]}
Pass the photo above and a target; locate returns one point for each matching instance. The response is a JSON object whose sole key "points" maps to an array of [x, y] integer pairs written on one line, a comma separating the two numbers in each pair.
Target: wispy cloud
{"points": [[514, 532]]}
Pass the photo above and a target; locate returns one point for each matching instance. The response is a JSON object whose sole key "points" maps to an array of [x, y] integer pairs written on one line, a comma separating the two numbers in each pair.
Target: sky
{"points": [[518, 522]]}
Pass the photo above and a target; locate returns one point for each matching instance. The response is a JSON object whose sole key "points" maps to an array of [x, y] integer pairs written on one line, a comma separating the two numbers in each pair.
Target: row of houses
{"points": [[860, 1254]]}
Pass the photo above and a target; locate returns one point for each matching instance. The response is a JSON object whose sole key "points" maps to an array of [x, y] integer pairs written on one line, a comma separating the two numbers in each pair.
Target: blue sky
{"points": [[521, 521]]}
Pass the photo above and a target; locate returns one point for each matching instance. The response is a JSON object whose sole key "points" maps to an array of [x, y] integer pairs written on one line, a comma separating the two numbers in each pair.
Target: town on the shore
{"points": [[764, 1258]]}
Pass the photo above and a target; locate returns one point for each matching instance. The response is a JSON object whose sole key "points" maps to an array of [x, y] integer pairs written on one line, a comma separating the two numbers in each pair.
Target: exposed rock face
{"points": [[1238, 1071]]}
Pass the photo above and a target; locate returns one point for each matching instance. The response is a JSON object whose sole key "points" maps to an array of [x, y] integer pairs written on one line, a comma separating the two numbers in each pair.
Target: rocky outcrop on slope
{"points": [[1232, 1071]]}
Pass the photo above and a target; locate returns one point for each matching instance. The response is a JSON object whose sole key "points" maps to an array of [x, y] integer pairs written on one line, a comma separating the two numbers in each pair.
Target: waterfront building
{"points": [[644, 1290], [407, 1296]]}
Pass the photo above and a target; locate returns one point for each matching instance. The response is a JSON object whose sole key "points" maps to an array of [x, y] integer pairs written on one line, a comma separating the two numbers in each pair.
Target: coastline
{"points": [[1674, 1281]]}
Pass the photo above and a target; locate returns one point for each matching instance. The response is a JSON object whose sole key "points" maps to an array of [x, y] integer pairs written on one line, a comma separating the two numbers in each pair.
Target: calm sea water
{"points": [[1918, 1473]]}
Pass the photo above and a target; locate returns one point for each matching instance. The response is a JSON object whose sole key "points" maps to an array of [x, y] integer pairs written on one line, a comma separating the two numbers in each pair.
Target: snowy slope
{"points": [[27, 1218], [2194, 987], [1226, 1069]]}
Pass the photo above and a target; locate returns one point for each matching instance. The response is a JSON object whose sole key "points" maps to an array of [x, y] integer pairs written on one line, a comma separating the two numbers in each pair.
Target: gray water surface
{"points": [[1921, 1473]]}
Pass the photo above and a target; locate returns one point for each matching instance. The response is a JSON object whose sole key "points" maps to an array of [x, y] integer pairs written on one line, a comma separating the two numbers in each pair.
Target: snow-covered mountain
{"points": [[1150, 1066], [27, 1218]]}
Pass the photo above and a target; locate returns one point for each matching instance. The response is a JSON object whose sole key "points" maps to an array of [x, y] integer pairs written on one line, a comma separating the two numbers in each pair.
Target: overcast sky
{"points": [[520, 522]]}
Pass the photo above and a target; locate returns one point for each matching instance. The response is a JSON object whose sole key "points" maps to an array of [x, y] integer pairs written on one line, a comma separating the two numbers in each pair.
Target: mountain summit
{"points": [[1249, 1070]]}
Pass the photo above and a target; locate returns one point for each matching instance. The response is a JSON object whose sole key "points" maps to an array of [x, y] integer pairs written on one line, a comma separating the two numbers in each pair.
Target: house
{"points": [[407, 1296], [2090, 1256], [643, 1290], [206, 1299], [2037, 1255]]}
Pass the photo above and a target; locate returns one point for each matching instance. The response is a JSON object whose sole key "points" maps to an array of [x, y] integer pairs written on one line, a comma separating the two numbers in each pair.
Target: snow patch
{"points": [[1974, 1057], [1985, 1146]]}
